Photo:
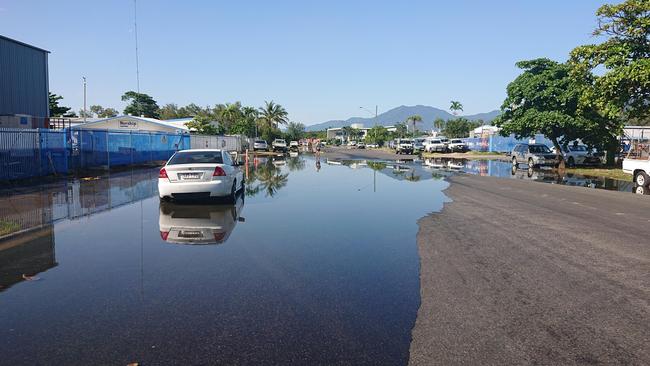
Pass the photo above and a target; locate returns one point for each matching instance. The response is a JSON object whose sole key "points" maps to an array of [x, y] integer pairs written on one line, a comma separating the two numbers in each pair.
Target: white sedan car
{"points": [[196, 174]]}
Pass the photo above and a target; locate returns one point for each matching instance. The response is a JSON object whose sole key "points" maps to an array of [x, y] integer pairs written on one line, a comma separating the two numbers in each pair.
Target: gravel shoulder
{"points": [[516, 272]]}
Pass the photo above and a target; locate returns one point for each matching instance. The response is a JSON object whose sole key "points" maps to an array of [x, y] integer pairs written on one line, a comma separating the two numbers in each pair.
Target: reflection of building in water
{"points": [[28, 253], [27, 215]]}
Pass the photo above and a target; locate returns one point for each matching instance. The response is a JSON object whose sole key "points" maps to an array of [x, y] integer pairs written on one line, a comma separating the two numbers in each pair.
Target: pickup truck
{"points": [[279, 145], [640, 170]]}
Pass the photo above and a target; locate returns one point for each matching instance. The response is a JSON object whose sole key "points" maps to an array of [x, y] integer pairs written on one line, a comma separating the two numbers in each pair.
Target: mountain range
{"points": [[400, 114]]}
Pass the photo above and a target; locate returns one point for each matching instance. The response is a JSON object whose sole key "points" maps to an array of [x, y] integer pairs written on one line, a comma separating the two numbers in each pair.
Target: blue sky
{"points": [[321, 60]]}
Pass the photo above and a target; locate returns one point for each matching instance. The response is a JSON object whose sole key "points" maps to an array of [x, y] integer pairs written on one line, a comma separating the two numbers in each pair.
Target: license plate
{"points": [[189, 176], [189, 234]]}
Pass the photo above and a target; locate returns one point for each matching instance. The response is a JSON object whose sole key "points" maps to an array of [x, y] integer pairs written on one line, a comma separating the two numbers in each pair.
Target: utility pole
{"points": [[137, 61], [376, 109], [84, 78]]}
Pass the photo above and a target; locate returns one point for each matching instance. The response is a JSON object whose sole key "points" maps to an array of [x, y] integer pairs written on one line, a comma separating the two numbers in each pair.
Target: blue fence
{"points": [[32, 153], [497, 143]]}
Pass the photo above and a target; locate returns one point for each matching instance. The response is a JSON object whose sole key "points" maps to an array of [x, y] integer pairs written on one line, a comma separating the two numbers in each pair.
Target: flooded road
{"points": [[316, 263]]}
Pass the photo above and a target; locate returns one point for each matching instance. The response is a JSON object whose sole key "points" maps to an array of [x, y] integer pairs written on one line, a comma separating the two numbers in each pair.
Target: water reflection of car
{"points": [[199, 174], [534, 155], [294, 145], [576, 154], [279, 162], [199, 224], [455, 164], [435, 163], [641, 190]]}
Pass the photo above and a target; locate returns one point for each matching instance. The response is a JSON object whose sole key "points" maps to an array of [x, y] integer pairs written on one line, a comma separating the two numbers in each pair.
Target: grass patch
{"points": [[8, 227], [614, 173]]}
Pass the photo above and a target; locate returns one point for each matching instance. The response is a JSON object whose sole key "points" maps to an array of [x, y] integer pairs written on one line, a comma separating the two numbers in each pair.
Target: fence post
{"points": [[108, 151]]}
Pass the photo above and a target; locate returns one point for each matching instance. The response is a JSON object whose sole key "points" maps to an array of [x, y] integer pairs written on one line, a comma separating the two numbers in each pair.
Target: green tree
{"points": [[95, 110], [87, 114], [377, 135], [140, 104], [401, 130], [544, 99], [622, 91], [57, 110], [347, 132], [413, 119], [459, 127], [456, 107], [272, 115], [295, 131], [439, 123], [204, 126], [170, 111], [107, 113]]}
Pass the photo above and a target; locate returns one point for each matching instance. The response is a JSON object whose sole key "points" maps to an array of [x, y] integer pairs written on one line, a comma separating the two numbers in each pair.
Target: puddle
{"points": [[315, 263]]}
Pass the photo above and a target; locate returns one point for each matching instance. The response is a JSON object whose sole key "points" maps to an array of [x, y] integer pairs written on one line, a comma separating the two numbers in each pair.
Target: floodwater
{"points": [[316, 263]]}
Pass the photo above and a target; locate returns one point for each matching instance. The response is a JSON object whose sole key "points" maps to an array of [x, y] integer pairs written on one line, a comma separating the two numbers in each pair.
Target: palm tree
{"points": [[347, 132], [272, 115], [456, 107], [412, 177], [439, 123], [414, 118]]}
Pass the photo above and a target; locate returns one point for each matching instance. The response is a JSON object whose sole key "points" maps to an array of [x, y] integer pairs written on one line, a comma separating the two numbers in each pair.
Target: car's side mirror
{"points": [[241, 219]]}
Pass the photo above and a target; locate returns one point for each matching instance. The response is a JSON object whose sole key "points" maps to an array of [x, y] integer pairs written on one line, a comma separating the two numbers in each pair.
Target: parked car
{"points": [[457, 145], [534, 155], [372, 146], [403, 146], [418, 144], [352, 144], [575, 154], [294, 145], [199, 224], [640, 170], [205, 173], [260, 145], [279, 145], [435, 144], [361, 145]]}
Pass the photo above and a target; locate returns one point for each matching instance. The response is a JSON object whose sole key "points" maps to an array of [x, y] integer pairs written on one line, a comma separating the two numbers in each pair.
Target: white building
{"points": [[133, 123]]}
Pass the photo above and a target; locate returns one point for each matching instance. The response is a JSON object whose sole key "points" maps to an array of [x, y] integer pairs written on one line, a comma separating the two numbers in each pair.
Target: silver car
{"points": [[534, 155], [260, 145]]}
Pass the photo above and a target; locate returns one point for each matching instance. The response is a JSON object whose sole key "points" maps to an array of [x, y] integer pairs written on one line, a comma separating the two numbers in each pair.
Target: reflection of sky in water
{"points": [[324, 270]]}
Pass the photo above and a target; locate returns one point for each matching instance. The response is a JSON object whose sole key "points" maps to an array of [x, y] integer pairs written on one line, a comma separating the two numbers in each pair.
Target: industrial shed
{"points": [[23, 84], [132, 123]]}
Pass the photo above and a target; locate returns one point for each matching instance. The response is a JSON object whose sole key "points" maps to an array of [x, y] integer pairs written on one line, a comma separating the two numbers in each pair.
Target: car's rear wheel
{"points": [[514, 161], [641, 179], [233, 192]]}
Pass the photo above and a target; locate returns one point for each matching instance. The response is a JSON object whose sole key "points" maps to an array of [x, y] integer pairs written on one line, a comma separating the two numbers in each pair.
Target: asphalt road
{"points": [[524, 273]]}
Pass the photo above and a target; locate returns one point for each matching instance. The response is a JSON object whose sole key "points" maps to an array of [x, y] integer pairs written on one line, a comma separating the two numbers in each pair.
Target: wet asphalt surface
{"points": [[517, 272]]}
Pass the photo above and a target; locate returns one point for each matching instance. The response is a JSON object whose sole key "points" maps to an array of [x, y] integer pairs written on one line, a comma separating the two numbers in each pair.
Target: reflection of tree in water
{"points": [[412, 177], [267, 178], [437, 175], [296, 163], [376, 165]]}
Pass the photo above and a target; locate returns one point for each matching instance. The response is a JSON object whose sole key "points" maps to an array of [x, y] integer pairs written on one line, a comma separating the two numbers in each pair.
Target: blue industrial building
{"points": [[23, 84]]}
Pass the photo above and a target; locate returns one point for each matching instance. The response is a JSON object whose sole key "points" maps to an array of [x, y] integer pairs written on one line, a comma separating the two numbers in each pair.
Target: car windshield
{"points": [[196, 157], [457, 141], [539, 149], [578, 148], [405, 141], [280, 141], [260, 142], [444, 140]]}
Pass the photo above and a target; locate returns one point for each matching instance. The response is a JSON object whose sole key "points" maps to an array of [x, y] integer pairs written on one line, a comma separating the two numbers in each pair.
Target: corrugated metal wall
{"points": [[23, 79]]}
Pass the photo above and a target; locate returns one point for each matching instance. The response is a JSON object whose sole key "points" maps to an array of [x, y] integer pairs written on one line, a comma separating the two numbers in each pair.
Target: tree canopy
{"points": [[459, 127], [623, 90], [140, 104], [57, 110]]}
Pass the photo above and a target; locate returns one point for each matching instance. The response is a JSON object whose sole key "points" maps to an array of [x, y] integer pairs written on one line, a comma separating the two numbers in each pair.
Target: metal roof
{"points": [[23, 43], [143, 119]]}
